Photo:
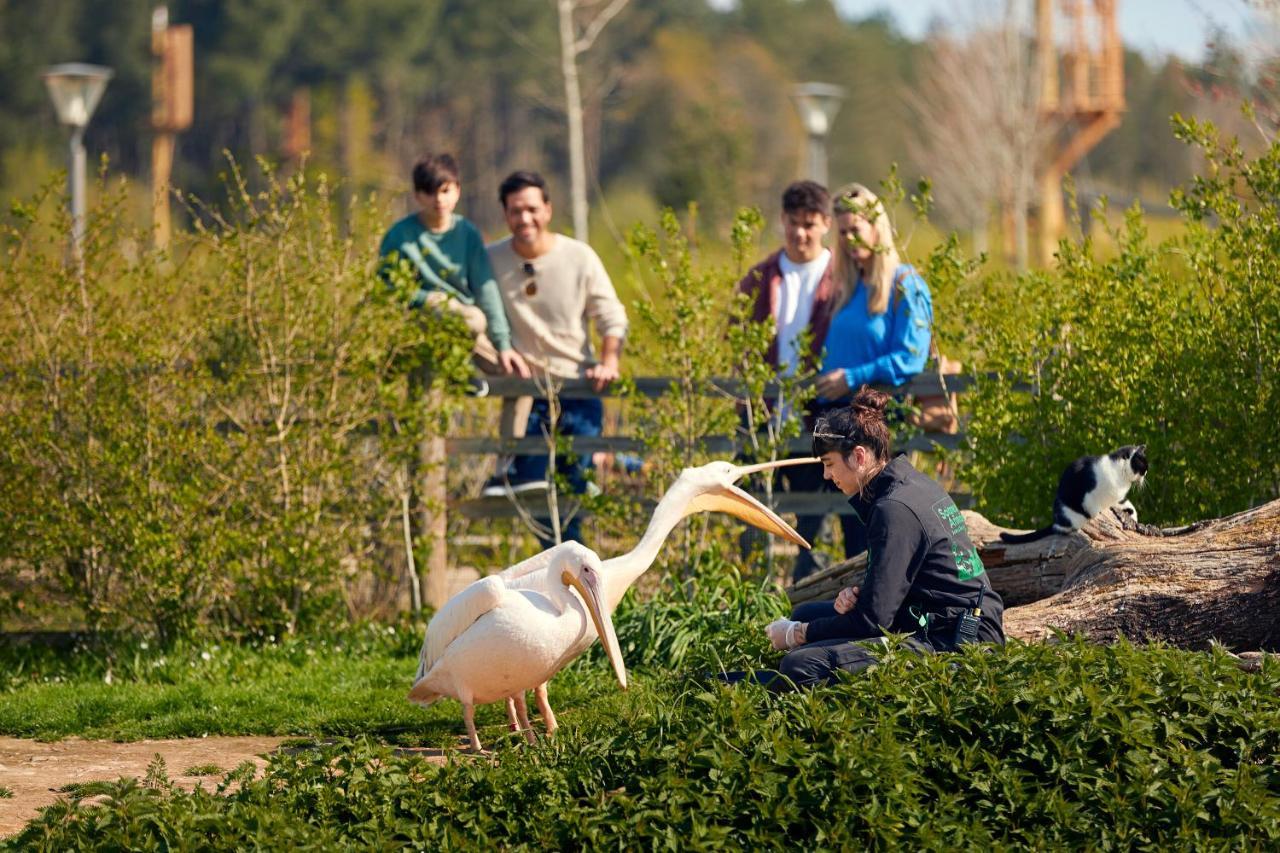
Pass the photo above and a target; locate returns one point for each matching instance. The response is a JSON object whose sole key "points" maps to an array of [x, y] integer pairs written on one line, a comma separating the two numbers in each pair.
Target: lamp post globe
{"points": [[817, 104], [76, 88]]}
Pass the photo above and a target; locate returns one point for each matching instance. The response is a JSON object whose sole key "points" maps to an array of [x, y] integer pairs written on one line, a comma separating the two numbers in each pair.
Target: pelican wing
{"points": [[457, 615]]}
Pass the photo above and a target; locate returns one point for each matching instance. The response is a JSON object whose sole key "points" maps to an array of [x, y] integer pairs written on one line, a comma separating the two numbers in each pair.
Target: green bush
{"points": [[1175, 345], [711, 617], [1041, 746], [217, 437], [220, 440]]}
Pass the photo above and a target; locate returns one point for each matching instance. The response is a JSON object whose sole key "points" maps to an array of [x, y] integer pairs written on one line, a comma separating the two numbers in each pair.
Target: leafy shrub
{"points": [[1030, 746], [727, 344], [1175, 345], [713, 618], [220, 437], [108, 493]]}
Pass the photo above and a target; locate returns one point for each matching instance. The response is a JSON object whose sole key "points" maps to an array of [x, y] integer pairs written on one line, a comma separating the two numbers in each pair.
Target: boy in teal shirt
{"points": [[447, 254]]}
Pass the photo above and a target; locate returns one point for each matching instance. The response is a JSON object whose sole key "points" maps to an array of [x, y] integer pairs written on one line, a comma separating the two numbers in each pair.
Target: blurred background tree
{"points": [[680, 100]]}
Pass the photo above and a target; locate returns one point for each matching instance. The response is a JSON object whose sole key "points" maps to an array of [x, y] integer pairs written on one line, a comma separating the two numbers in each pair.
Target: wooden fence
{"points": [[435, 452]]}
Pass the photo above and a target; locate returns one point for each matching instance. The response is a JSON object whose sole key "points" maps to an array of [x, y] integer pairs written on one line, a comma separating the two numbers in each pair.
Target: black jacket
{"points": [[921, 563]]}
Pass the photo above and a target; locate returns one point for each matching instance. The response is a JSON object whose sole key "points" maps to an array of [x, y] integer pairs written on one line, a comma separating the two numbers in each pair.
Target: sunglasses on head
{"points": [[530, 286], [852, 201]]}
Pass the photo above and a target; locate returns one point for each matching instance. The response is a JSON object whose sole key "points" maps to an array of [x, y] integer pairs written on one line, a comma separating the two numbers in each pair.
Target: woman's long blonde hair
{"points": [[862, 202]]}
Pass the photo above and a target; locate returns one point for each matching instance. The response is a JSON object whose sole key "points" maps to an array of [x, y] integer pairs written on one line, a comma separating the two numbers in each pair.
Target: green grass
{"points": [[320, 687], [351, 683], [312, 688], [203, 770]]}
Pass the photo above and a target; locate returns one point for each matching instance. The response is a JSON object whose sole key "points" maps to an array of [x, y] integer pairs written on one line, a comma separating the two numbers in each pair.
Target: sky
{"points": [[1155, 27]]}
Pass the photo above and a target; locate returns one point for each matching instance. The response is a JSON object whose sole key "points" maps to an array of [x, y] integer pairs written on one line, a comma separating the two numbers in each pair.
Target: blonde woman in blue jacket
{"points": [[881, 330]]}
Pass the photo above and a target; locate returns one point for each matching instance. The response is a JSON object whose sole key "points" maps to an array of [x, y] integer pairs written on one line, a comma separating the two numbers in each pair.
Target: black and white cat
{"points": [[1088, 486]]}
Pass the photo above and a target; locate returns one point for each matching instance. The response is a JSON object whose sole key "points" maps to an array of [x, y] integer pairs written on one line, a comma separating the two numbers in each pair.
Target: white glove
{"points": [[783, 633]]}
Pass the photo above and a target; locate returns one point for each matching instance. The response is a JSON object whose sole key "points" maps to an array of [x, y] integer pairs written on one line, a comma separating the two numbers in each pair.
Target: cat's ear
{"points": [[1142, 450]]}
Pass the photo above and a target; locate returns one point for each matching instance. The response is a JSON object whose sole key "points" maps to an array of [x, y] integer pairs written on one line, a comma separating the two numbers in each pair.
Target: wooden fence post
{"points": [[432, 497], [428, 474]]}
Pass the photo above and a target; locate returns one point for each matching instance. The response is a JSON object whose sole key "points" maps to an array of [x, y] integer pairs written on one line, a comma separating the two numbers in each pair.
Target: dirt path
{"points": [[34, 771]]}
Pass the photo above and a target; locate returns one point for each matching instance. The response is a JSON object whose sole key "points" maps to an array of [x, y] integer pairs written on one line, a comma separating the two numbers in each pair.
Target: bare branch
{"points": [[984, 138], [583, 44]]}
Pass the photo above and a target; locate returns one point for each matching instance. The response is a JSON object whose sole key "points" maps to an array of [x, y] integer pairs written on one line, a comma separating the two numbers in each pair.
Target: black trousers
{"points": [[815, 664]]}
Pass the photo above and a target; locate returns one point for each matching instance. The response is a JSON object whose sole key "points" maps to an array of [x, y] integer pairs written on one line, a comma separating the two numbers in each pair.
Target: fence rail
{"points": [[802, 503], [622, 444], [923, 385]]}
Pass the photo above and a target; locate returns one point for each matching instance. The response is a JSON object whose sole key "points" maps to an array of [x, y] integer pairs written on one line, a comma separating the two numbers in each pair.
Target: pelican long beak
{"points": [[733, 500], [589, 589], [744, 470]]}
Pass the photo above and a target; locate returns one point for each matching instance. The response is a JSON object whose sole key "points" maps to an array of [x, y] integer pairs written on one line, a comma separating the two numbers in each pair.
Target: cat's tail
{"points": [[1018, 538]]}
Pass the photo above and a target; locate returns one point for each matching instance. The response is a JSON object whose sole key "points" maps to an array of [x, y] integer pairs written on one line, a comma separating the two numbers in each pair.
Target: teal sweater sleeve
{"points": [[399, 246], [908, 341], [484, 288]]}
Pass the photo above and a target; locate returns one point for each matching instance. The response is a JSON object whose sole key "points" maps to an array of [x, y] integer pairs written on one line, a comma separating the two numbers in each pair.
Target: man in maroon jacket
{"points": [[795, 287]]}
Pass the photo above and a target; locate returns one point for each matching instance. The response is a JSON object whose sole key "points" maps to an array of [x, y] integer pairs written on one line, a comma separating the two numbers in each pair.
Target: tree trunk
{"points": [[1216, 580], [573, 112]]}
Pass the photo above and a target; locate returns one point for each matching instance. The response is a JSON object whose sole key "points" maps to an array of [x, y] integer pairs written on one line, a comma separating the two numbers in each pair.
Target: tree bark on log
{"points": [[1216, 580]]}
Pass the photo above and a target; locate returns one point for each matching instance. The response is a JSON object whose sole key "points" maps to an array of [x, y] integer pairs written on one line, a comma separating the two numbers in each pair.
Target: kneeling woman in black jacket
{"points": [[924, 577]]}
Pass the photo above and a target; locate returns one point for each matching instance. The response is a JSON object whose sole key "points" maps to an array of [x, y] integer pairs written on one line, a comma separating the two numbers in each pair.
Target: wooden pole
{"points": [[430, 494], [435, 522], [161, 169], [171, 110]]}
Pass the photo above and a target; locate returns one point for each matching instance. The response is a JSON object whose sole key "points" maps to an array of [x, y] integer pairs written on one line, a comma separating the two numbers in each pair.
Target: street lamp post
{"points": [[76, 89], [817, 104]]}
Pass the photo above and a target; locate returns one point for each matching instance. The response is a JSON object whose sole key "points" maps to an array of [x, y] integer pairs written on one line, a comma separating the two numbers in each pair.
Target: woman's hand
{"points": [[832, 385], [784, 634], [846, 600]]}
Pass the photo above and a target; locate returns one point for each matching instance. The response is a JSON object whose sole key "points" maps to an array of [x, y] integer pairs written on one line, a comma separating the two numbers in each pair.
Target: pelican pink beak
{"points": [[726, 497], [588, 586]]}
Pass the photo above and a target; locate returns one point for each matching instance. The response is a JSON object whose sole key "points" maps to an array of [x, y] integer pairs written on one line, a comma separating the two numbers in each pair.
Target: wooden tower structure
{"points": [[172, 99], [1081, 89]]}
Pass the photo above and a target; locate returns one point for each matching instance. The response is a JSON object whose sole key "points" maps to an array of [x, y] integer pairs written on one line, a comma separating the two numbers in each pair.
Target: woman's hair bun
{"points": [[859, 423], [867, 399]]}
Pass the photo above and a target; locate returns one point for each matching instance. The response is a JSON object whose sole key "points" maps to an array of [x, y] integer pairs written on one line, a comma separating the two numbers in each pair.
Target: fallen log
{"points": [[1215, 580]]}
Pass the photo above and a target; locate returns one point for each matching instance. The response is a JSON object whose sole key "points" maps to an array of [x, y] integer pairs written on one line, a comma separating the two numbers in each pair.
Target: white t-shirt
{"points": [[795, 304]]}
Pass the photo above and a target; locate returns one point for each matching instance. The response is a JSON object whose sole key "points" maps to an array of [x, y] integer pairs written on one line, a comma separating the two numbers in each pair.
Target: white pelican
{"points": [[511, 632]]}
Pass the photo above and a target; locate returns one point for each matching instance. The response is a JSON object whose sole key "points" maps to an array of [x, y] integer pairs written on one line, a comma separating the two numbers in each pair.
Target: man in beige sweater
{"points": [[553, 288]]}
